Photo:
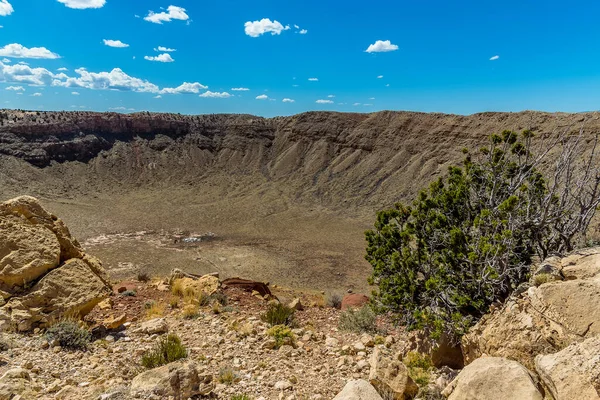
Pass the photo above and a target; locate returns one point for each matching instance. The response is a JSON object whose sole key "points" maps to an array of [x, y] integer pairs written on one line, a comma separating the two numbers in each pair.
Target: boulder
{"points": [[354, 300], [15, 382], [544, 319], [572, 373], [153, 326], [180, 380], [207, 284], [390, 376], [44, 274], [493, 378], [358, 390], [296, 304]]}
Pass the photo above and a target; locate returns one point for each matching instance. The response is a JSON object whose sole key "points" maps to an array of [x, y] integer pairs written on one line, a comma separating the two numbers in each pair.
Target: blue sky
{"points": [[454, 57]]}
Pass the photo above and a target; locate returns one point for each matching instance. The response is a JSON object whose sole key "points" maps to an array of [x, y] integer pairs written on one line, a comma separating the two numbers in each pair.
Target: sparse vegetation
{"points": [[468, 240], [419, 367], [334, 300], [129, 293], [155, 310], [167, 350], [70, 335], [282, 334], [362, 320], [241, 397], [540, 279], [143, 276], [177, 288], [227, 376], [279, 314], [190, 311]]}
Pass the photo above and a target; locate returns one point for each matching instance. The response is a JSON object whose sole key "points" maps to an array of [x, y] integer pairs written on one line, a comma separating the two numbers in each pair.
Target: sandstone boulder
{"points": [[179, 380], [44, 274], [154, 326], [544, 319], [15, 382], [358, 390], [573, 373], [493, 378], [390, 376], [354, 300]]}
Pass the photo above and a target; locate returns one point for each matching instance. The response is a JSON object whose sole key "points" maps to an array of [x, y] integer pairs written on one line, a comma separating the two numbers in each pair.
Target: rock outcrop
{"points": [[44, 273], [493, 378], [179, 380], [390, 376], [544, 319], [573, 373]]}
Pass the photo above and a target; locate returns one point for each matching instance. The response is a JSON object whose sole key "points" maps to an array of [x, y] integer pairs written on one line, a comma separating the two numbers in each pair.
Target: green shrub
{"points": [[540, 279], [129, 293], [361, 320], [70, 335], [228, 376], [419, 367], [334, 301], [167, 350], [143, 276], [279, 314], [468, 240], [282, 335], [220, 298], [240, 397]]}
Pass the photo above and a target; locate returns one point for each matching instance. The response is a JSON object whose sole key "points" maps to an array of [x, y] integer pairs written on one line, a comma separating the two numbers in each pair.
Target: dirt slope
{"points": [[287, 198]]}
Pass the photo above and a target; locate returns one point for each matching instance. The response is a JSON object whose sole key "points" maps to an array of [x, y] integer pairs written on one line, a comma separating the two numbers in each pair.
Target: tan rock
{"points": [[572, 373], [207, 284], [154, 326], [543, 320], [358, 390], [179, 379], [390, 376], [296, 304], [493, 378], [114, 322], [14, 382]]}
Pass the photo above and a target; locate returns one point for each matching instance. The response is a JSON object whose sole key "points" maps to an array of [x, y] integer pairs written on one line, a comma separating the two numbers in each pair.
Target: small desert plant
{"points": [[279, 314], [282, 335], [219, 297], [155, 310], [540, 279], [334, 301], [177, 288], [70, 335], [227, 376], [419, 367], [174, 302], [129, 293], [143, 276], [240, 397], [361, 320], [190, 311], [167, 350], [203, 299]]}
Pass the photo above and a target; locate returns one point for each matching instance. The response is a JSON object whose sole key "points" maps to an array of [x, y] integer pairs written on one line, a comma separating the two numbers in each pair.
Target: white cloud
{"points": [[367, 105], [75, 93], [313, 79], [494, 58], [115, 108], [173, 12], [24, 74], [217, 95], [381, 46], [158, 96], [16, 50], [114, 80], [164, 49], [331, 96], [380, 77], [324, 102], [115, 43], [303, 32], [164, 58], [265, 25], [388, 85], [288, 100], [5, 8], [83, 4], [185, 87], [62, 69], [6, 61], [38, 94], [262, 97], [240, 89], [15, 88], [371, 98], [356, 104]]}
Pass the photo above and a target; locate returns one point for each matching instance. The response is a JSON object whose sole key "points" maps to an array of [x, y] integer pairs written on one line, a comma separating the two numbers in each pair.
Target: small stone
{"points": [[331, 342], [283, 385]]}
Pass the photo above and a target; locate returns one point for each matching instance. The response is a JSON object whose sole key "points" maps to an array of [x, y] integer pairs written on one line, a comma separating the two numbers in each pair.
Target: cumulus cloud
{"points": [[6, 61], [38, 94], [286, 100], [164, 49], [380, 77], [185, 87], [331, 96], [164, 58], [173, 12], [62, 69], [381, 46], [265, 25], [5, 8], [115, 43], [115, 80], [324, 102], [313, 79], [303, 32], [83, 4], [494, 58], [240, 89], [15, 88], [216, 95], [158, 96], [16, 50], [262, 97], [75, 93], [24, 74]]}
